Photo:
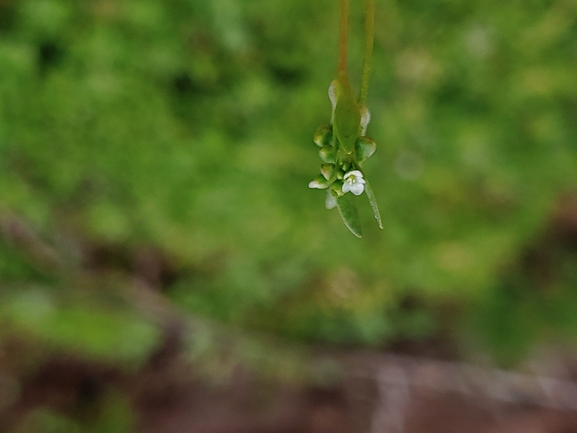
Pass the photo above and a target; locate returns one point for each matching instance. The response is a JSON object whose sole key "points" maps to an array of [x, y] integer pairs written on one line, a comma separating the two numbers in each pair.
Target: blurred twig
{"points": [[24, 238], [400, 378]]}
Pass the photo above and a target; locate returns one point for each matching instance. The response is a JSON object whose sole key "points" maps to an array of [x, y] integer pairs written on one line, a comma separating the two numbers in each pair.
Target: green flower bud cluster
{"points": [[340, 170], [337, 163]]}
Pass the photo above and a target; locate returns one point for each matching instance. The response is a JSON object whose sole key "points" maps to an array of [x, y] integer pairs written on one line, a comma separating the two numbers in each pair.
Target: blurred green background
{"points": [[170, 142]]}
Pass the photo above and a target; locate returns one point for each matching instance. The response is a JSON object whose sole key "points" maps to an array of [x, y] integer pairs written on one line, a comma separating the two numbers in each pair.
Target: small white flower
{"points": [[354, 182]]}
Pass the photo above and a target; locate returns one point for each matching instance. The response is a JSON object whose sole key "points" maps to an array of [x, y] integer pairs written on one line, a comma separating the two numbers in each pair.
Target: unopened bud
{"points": [[327, 170], [327, 154], [323, 136], [337, 188], [319, 182], [365, 148]]}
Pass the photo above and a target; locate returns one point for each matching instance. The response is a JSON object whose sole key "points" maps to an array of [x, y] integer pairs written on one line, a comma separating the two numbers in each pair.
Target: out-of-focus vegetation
{"points": [[184, 127]]}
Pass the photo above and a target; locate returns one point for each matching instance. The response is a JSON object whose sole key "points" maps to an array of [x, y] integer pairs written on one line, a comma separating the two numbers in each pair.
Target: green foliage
{"points": [[87, 330]]}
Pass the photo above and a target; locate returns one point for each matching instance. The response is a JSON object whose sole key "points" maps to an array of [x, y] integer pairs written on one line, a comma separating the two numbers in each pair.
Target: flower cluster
{"points": [[343, 147], [341, 172]]}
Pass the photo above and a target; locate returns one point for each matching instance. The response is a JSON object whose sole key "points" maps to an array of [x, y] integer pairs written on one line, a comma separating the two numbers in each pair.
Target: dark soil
{"points": [[165, 403]]}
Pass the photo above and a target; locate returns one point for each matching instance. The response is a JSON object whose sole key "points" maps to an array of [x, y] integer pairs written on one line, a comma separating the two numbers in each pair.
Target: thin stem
{"points": [[368, 50], [343, 38]]}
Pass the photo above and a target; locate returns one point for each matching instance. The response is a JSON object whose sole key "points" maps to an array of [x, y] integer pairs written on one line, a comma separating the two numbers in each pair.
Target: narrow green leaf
{"points": [[350, 214], [374, 205]]}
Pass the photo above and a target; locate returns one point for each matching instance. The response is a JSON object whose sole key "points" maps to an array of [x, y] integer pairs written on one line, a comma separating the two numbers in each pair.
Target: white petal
{"points": [[346, 187], [330, 201], [355, 173], [357, 188]]}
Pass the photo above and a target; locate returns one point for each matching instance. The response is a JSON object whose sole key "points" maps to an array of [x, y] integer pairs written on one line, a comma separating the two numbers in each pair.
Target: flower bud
{"points": [[337, 188], [365, 147], [323, 136], [327, 170], [319, 182], [327, 154]]}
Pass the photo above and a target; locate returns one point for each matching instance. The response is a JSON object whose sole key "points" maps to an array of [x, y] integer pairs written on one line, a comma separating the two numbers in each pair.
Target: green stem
{"points": [[368, 50], [343, 39]]}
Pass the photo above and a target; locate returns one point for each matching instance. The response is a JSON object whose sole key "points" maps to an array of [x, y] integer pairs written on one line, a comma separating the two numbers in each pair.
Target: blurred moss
{"points": [[93, 332]]}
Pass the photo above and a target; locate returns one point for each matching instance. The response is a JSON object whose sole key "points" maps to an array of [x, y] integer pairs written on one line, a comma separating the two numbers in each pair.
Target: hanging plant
{"points": [[344, 146]]}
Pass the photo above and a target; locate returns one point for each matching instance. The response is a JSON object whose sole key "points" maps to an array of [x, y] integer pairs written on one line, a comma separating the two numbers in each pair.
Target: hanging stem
{"points": [[343, 39], [368, 50]]}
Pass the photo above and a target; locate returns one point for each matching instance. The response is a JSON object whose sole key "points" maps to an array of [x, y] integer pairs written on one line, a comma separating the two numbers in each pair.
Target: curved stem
{"points": [[343, 38], [368, 50]]}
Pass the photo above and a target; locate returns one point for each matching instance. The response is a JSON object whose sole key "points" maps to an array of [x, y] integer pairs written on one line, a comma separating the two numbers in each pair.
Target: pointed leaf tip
{"points": [[373, 202]]}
